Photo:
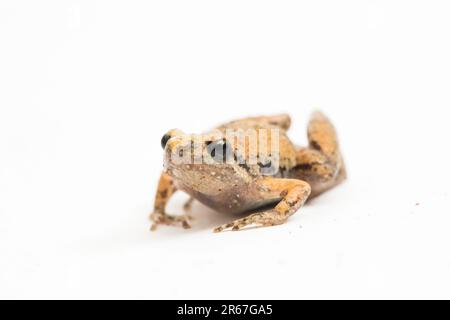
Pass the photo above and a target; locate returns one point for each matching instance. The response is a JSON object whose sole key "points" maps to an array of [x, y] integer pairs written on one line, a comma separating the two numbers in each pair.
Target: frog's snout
{"points": [[175, 144]]}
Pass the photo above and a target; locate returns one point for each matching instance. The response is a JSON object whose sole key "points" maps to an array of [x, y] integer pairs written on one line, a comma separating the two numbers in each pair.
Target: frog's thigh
{"points": [[321, 164], [293, 194], [314, 168], [322, 137]]}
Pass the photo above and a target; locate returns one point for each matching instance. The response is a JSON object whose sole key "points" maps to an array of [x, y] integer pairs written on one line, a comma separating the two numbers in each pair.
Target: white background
{"points": [[87, 89]]}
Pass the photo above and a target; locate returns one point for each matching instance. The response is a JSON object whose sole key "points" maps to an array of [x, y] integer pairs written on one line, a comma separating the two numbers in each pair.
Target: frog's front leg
{"points": [[293, 194], [165, 191], [188, 204]]}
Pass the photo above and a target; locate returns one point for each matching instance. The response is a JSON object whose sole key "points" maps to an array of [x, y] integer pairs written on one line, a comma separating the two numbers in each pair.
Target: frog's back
{"points": [[282, 121], [274, 130]]}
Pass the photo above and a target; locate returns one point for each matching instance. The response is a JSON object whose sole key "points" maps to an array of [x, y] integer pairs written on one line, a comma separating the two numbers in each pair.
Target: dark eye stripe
{"points": [[218, 150]]}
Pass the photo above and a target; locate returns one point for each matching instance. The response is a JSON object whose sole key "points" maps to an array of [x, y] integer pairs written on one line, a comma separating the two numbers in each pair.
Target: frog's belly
{"points": [[232, 202]]}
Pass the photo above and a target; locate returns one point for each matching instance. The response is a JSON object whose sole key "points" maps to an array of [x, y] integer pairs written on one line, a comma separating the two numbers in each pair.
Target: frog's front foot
{"points": [[261, 219], [159, 218]]}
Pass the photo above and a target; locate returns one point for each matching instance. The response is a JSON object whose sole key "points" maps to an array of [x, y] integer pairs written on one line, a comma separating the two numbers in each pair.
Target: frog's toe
{"points": [[185, 223], [239, 224], [262, 219], [168, 220], [223, 227], [154, 227], [235, 226]]}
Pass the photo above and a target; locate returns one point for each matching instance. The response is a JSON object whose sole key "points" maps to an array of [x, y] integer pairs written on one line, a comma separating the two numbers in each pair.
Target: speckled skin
{"points": [[237, 188]]}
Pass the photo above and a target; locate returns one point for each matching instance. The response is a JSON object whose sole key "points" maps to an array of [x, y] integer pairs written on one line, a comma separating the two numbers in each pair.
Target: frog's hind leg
{"points": [[293, 194], [320, 164]]}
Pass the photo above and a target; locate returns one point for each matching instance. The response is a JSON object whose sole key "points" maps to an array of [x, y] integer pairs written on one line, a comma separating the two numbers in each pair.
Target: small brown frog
{"points": [[233, 175]]}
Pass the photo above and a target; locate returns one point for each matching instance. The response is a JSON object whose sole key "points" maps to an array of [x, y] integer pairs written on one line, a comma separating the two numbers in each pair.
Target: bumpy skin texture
{"points": [[237, 188]]}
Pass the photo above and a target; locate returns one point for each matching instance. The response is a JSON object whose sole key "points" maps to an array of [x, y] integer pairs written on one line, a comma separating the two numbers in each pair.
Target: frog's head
{"points": [[204, 163]]}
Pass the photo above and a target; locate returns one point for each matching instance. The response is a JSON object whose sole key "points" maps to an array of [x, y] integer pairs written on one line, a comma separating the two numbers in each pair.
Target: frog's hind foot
{"points": [[293, 194], [261, 219], [168, 220]]}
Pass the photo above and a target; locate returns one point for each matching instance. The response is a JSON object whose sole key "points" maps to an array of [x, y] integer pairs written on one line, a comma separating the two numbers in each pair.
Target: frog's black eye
{"points": [[165, 139], [218, 150], [265, 164]]}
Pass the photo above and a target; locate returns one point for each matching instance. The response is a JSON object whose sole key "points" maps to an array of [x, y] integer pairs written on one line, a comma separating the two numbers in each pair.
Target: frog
{"points": [[227, 181]]}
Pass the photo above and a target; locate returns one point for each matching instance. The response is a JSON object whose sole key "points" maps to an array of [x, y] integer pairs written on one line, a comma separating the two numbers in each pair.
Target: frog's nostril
{"points": [[164, 140]]}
